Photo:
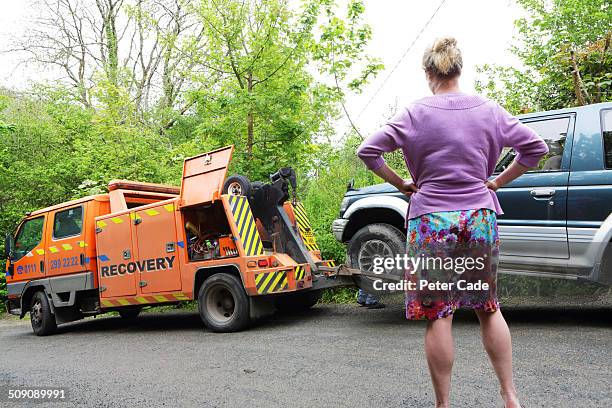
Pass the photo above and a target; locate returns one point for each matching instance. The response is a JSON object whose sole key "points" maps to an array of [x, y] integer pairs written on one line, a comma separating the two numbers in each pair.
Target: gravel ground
{"points": [[331, 356]]}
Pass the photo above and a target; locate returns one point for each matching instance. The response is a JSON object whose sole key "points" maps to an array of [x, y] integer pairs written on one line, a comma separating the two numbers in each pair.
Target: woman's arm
{"points": [[390, 176], [388, 138], [514, 170], [527, 144]]}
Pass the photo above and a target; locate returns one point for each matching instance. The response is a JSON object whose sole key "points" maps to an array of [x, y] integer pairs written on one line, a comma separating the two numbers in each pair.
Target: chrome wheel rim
{"points": [[36, 313], [220, 304], [371, 250], [235, 189]]}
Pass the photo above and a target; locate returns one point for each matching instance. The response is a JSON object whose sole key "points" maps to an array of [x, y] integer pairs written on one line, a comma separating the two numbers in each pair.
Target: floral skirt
{"points": [[452, 236]]}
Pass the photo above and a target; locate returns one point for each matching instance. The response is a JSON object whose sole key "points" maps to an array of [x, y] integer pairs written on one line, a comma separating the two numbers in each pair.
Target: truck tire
{"points": [[297, 302], [237, 185], [223, 304], [129, 313], [43, 321], [372, 241]]}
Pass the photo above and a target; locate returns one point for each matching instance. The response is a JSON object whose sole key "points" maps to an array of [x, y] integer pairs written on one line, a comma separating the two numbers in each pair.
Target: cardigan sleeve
{"points": [[388, 138], [527, 144]]}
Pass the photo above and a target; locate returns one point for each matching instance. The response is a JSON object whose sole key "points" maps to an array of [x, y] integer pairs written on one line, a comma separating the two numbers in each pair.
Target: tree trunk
{"points": [[108, 10], [578, 85], [250, 119]]}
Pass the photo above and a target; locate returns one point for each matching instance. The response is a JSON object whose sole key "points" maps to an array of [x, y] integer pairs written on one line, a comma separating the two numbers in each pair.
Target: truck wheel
{"points": [[43, 321], [129, 313], [223, 304], [297, 302], [237, 185], [372, 241]]}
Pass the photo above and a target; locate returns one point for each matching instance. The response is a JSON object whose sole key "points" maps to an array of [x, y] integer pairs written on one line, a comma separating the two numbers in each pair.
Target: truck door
{"points": [[66, 246], [28, 257], [157, 262], [117, 277], [534, 222]]}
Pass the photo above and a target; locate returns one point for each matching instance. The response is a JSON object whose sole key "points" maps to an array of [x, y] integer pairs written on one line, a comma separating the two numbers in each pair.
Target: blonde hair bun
{"points": [[443, 58]]}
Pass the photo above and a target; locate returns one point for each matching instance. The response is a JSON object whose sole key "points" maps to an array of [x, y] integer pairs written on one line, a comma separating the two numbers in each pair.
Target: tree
{"points": [[137, 45], [266, 100], [565, 47]]}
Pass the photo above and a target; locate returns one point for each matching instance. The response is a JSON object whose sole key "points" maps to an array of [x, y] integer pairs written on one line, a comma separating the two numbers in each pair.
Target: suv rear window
{"points": [[606, 128], [68, 222]]}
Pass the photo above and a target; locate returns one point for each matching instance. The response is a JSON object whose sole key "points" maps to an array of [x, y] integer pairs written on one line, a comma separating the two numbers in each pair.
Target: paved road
{"points": [[333, 356]]}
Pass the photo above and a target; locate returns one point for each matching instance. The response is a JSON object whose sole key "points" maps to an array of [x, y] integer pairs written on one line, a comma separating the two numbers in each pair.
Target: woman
{"points": [[451, 142]]}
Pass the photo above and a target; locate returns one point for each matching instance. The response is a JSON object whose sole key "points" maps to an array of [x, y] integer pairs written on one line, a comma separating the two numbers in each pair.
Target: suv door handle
{"points": [[543, 193]]}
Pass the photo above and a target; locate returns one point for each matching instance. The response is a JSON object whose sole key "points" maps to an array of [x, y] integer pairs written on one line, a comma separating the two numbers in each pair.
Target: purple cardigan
{"points": [[451, 143]]}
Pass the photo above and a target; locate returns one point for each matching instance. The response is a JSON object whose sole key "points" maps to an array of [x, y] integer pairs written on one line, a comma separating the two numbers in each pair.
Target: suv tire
{"points": [[374, 240]]}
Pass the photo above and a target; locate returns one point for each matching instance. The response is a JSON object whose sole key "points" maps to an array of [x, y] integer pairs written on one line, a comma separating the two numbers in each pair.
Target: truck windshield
{"points": [[28, 237]]}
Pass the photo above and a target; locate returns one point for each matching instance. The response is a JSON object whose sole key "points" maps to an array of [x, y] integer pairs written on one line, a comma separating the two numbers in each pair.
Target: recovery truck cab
{"points": [[240, 255]]}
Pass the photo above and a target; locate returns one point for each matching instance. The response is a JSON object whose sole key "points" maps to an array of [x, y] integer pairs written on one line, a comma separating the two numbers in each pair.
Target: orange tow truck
{"points": [[241, 250]]}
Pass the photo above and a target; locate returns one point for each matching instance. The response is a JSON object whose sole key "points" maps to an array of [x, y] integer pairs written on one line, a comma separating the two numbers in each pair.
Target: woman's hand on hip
{"points": [[386, 173], [408, 188], [491, 185]]}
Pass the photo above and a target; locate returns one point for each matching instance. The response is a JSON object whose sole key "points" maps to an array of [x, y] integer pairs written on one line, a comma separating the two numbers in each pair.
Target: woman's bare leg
{"points": [[498, 344], [440, 352]]}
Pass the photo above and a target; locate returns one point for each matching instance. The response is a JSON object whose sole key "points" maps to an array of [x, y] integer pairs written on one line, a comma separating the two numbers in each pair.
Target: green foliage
{"points": [[264, 98], [340, 295], [324, 190], [553, 36]]}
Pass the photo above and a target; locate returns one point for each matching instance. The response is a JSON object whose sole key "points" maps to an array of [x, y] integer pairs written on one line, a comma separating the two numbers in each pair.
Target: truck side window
{"points": [[68, 222], [554, 133], [606, 128], [28, 237]]}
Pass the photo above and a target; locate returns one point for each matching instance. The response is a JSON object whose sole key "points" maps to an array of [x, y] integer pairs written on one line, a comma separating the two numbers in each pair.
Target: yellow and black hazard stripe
{"points": [[134, 215], [271, 282], [144, 299], [245, 224], [304, 227], [300, 272]]}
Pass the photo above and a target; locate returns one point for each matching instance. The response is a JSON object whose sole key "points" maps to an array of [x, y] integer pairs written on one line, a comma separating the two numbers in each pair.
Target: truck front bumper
{"points": [[338, 227]]}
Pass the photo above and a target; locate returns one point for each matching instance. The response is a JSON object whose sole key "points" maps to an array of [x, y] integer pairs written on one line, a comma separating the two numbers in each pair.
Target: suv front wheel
{"points": [[372, 241]]}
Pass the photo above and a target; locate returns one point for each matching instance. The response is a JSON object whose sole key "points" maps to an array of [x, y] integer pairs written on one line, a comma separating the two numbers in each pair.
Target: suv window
{"points": [[28, 237], [68, 222], [606, 127], [554, 133]]}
